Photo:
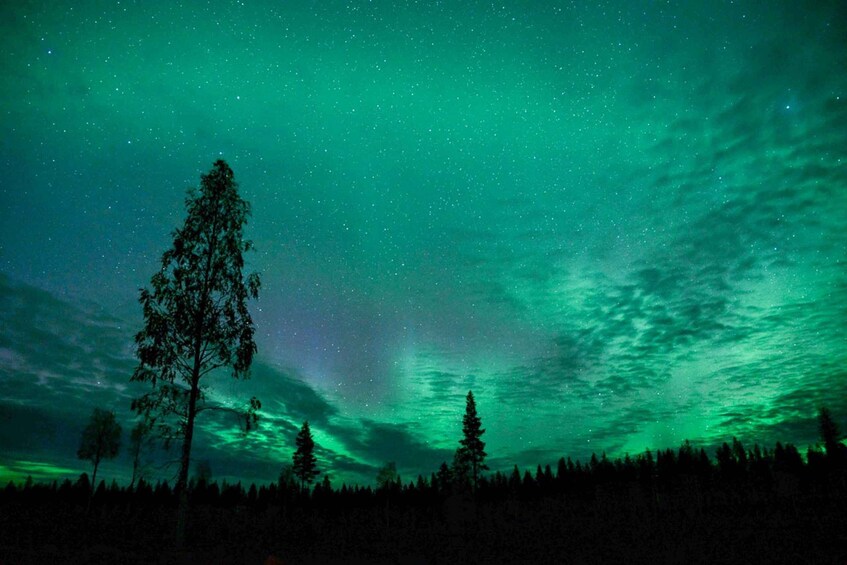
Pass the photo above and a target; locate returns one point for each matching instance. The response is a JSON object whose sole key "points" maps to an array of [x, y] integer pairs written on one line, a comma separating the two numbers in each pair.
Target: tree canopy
{"points": [[101, 439], [387, 476], [305, 463], [470, 457], [196, 322]]}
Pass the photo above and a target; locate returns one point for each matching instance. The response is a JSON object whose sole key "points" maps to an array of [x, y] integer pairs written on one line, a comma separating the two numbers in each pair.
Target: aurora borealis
{"points": [[622, 224]]}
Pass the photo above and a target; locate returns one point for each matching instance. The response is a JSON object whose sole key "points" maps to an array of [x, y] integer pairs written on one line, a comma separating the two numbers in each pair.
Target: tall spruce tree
{"points": [[196, 323], [305, 464], [831, 437], [471, 452], [828, 429]]}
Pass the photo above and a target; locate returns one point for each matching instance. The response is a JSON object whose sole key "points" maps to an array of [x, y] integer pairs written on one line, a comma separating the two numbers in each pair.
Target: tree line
{"points": [[782, 467], [737, 503]]}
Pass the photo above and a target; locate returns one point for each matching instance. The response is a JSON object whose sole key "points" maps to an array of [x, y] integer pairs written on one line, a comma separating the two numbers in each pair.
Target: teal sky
{"points": [[622, 224]]}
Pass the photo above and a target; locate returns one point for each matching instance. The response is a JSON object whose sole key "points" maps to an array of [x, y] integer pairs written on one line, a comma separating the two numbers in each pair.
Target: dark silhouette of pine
{"points": [[460, 470], [830, 435], [444, 477], [196, 319], [304, 462], [471, 453]]}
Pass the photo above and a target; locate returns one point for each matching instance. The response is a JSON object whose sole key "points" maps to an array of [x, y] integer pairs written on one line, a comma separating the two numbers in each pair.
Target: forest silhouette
{"points": [[743, 504]]}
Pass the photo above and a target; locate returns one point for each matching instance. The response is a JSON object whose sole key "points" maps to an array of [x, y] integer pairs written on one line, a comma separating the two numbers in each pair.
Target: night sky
{"points": [[621, 224]]}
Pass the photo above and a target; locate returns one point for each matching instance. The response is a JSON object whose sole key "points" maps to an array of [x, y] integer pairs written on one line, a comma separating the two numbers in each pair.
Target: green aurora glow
{"points": [[622, 225]]}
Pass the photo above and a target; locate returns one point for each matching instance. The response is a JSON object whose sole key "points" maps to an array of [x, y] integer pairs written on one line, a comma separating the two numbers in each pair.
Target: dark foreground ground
{"points": [[611, 524]]}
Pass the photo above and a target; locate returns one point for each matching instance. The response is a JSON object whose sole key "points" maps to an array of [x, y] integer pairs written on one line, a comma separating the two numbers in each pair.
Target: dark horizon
{"points": [[748, 505]]}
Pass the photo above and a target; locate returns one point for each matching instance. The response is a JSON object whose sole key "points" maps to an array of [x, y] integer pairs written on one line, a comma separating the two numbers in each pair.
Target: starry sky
{"points": [[621, 224]]}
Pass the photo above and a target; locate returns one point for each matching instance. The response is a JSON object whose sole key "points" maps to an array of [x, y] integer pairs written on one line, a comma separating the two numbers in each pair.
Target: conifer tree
{"points": [[829, 431], [305, 464], [831, 437], [471, 452], [443, 477], [460, 470]]}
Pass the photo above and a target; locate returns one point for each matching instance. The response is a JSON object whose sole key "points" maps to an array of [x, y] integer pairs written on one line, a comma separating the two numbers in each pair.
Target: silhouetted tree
{"points": [[725, 459], [444, 477], [685, 459], [387, 477], [139, 442], [561, 470], [528, 484], [471, 454], [816, 463], [732, 461], [286, 476], [196, 319], [460, 470], [547, 477], [305, 464], [83, 484], [387, 480], [646, 467], [203, 472], [787, 459], [101, 439], [836, 452], [515, 479], [740, 455]]}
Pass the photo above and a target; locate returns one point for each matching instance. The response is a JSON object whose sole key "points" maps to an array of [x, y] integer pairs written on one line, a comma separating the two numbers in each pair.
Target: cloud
{"points": [[291, 394], [62, 359], [56, 350], [402, 443], [27, 429]]}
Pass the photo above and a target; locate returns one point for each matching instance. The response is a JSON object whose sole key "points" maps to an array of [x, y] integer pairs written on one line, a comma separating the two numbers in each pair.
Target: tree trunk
{"points": [[94, 477], [184, 463], [93, 485], [136, 457]]}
